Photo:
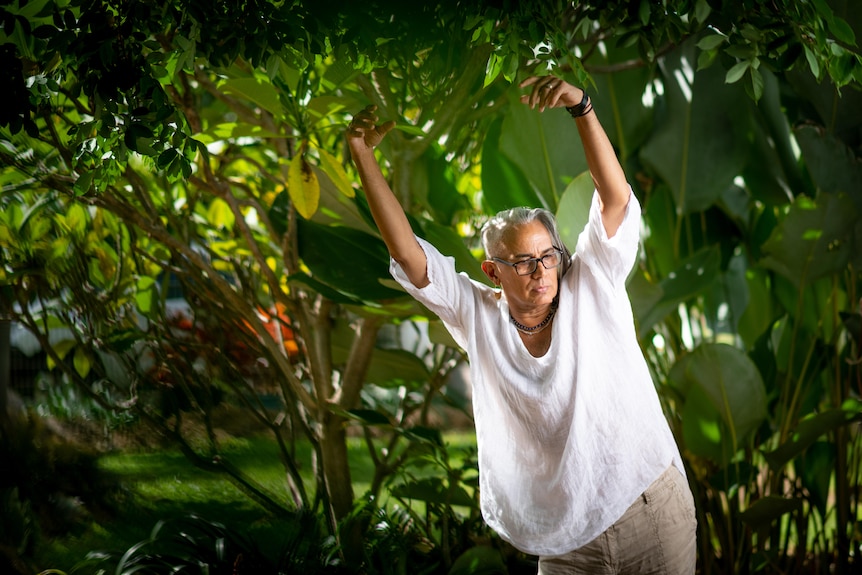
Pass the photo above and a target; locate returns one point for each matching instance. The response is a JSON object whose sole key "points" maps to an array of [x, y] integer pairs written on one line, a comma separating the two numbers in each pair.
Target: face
{"points": [[530, 240]]}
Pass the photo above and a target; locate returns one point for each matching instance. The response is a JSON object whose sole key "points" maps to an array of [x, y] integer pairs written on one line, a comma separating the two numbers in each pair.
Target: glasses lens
{"points": [[551, 260], [526, 267]]}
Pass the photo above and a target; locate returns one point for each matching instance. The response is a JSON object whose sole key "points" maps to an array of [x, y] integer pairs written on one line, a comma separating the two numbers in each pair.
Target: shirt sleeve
{"points": [[449, 294], [611, 258]]}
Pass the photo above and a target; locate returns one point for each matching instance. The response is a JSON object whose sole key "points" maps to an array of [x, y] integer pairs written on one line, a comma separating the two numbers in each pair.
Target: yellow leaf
{"points": [[61, 348], [303, 187], [81, 361], [335, 172]]}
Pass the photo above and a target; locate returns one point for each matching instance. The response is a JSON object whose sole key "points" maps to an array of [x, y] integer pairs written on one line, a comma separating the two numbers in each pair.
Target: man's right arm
{"points": [[363, 135]]}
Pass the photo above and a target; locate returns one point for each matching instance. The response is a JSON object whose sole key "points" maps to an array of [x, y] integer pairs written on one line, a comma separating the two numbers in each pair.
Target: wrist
{"points": [[581, 109]]}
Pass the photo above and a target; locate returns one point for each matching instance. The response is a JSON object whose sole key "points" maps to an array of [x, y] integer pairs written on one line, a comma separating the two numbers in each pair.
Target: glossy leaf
{"points": [[813, 241], [347, 260], [573, 212], [303, 186], [810, 430], [833, 165], [335, 172], [546, 148], [693, 275], [451, 244], [700, 141], [255, 90], [504, 184], [731, 382]]}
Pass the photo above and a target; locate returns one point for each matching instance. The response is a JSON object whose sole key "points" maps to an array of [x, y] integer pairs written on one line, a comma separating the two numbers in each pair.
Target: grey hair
{"points": [[495, 228]]}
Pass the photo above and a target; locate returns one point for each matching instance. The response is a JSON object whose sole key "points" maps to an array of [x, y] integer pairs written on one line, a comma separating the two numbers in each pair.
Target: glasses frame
{"points": [[534, 262]]}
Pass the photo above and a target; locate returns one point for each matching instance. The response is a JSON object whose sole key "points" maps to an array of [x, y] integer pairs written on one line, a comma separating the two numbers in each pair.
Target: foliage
{"points": [[199, 143], [49, 485], [189, 544]]}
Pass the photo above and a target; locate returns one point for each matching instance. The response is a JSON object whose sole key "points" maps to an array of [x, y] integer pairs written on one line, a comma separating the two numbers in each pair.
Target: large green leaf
{"points": [[694, 275], [810, 430], [574, 209], [450, 243], [833, 165], [700, 141], [760, 313], [814, 240], [732, 384], [618, 101], [545, 147], [256, 90], [347, 260], [504, 184]]}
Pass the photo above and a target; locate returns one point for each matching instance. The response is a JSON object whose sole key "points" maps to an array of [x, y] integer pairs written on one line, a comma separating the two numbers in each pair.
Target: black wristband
{"points": [[582, 109]]}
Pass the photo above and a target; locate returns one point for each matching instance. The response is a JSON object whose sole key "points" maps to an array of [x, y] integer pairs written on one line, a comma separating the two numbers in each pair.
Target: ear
{"points": [[490, 269]]}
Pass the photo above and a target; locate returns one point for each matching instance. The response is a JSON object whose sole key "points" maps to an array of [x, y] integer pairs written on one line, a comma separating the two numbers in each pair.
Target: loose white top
{"points": [[569, 440]]}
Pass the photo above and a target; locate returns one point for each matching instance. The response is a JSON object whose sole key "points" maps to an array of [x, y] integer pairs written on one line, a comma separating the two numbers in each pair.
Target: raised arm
{"points": [[363, 135], [605, 169]]}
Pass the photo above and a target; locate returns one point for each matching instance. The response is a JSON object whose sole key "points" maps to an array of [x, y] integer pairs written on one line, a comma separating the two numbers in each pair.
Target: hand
{"points": [[550, 92], [363, 132]]}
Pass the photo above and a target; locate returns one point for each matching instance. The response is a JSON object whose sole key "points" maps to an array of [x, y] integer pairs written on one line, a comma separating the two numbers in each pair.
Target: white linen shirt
{"points": [[569, 440]]}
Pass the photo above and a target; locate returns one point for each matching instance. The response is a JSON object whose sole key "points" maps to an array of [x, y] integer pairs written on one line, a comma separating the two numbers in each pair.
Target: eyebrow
{"points": [[542, 253]]}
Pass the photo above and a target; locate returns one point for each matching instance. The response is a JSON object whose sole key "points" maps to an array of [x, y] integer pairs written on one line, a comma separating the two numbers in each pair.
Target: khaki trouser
{"points": [[656, 535]]}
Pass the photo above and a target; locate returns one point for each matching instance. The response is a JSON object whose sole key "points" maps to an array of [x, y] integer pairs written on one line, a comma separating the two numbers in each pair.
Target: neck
{"points": [[533, 327]]}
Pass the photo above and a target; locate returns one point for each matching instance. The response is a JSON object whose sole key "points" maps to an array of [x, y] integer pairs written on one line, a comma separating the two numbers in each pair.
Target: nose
{"points": [[539, 271]]}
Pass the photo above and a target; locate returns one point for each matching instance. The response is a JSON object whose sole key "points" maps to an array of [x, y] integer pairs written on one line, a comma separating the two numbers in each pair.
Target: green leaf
{"points": [[256, 90], [505, 186], [336, 173], [711, 42], [813, 240], [368, 417], [432, 490], [61, 348], [809, 430], [693, 276], [734, 74], [574, 209], [754, 87], [81, 361], [83, 183], [732, 383], [764, 511], [347, 260], [220, 215], [166, 157], [451, 244], [832, 163], [698, 168], [492, 69], [479, 560]]}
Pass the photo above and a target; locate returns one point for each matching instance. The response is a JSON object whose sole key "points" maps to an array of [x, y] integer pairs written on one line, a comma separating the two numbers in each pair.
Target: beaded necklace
{"points": [[536, 328]]}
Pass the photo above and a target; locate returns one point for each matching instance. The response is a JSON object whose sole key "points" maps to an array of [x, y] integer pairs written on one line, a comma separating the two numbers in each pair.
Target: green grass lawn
{"points": [[163, 484]]}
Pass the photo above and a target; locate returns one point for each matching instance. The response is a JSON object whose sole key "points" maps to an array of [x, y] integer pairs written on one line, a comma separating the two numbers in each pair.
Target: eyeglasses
{"points": [[528, 266]]}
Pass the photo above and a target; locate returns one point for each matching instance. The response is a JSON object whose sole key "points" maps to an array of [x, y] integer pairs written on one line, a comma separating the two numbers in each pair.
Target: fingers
{"points": [[546, 91], [364, 120], [383, 129]]}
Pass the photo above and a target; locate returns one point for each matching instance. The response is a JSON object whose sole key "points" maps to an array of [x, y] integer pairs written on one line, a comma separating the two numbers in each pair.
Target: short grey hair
{"points": [[495, 228]]}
